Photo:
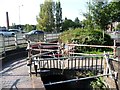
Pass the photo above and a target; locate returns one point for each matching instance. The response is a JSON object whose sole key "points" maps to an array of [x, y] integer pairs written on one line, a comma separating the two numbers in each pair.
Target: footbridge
{"points": [[46, 56]]}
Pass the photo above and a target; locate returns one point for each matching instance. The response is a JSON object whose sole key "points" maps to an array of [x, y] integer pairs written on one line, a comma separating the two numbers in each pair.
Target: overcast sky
{"points": [[25, 11]]}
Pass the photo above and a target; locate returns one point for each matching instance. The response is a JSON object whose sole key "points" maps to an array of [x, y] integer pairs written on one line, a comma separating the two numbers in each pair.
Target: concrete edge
{"points": [[37, 83]]}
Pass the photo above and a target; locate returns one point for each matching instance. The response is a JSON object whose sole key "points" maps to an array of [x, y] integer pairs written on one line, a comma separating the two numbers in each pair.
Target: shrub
{"points": [[89, 37]]}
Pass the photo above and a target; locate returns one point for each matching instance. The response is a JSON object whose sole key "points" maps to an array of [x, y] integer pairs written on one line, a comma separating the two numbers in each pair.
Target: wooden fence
{"points": [[51, 37], [9, 43], [82, 63]]}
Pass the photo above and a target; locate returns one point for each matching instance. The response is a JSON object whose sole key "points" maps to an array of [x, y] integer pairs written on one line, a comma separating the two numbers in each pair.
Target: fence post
{"points": [[118, 72], [105, 64], [107, 68], [8, 40], [114, 50], [29, 62], [16, 43], [3, 43], [45, 37]]}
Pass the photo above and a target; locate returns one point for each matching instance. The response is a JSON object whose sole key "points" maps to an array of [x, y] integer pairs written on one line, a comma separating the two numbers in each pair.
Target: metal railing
{"points": [[51, 37], [99, 64], [81, 62], [10, 43]]}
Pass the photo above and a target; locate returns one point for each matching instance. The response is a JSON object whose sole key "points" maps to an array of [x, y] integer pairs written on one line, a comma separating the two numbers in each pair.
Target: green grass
{"points": [[97, 52]]}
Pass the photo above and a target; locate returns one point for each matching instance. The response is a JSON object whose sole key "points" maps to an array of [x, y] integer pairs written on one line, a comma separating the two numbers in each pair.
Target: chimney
{"points": [[7, 20]]}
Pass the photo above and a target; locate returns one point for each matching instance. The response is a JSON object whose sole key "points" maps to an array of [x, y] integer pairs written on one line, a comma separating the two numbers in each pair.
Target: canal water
{"points": [[76, 85]]}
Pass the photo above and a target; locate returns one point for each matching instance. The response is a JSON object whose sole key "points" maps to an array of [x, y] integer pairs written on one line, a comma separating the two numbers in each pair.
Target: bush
{"points": [[89, 37], [118, 27]]}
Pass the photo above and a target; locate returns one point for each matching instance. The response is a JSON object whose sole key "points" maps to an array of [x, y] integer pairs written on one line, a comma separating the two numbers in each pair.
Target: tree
{"points": [[88, 23], [114, 12], [46, 16], [76, 20], [50, 16], [67, 24], [58, 16], [77, 23], [28, 27], [102, 13]]}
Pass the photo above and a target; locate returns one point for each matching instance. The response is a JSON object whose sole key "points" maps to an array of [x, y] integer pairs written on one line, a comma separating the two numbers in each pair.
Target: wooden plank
{"points": [[88, 62], [47, 64], [85, 63], [78, 63], [43, 63], [82, 62], [50, 64], [101, 63], [96, 65], [72, 63], [92, 63], [53, 63], [75, 63], [57, 63], [68, 64]]}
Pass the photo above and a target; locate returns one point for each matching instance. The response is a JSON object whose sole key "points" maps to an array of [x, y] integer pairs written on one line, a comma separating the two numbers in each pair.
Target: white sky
{"points": [[29, 9]]}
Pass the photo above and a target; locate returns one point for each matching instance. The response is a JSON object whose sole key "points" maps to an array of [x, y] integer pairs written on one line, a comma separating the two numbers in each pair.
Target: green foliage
{"points": [[28, 27], [118, 27], [77, 20], [98, 84], [50, 16], [46, 16], [84, 36], [69, 24], [114, 11], [101, 14], [58, 17]]}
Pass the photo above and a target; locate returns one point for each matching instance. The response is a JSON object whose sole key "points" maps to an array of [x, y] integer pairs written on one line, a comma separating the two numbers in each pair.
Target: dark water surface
{"points": [[76, 85]]}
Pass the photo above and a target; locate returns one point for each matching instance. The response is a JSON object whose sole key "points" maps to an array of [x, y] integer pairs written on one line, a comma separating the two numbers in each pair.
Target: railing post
{"points": [[8, 40], [29, 62], [68, 50], [3, 43], [107, 68], [105, 64], [16, 43], [118, 75], [114, 49], [45, 37]]}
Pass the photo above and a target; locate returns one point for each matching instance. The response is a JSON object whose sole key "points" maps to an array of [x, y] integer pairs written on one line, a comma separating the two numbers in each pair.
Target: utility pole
{"points": [[19, 14]]}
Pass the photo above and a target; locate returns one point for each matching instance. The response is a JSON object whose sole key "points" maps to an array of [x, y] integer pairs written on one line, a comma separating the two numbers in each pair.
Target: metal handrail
{"points": [[73, 80]]}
